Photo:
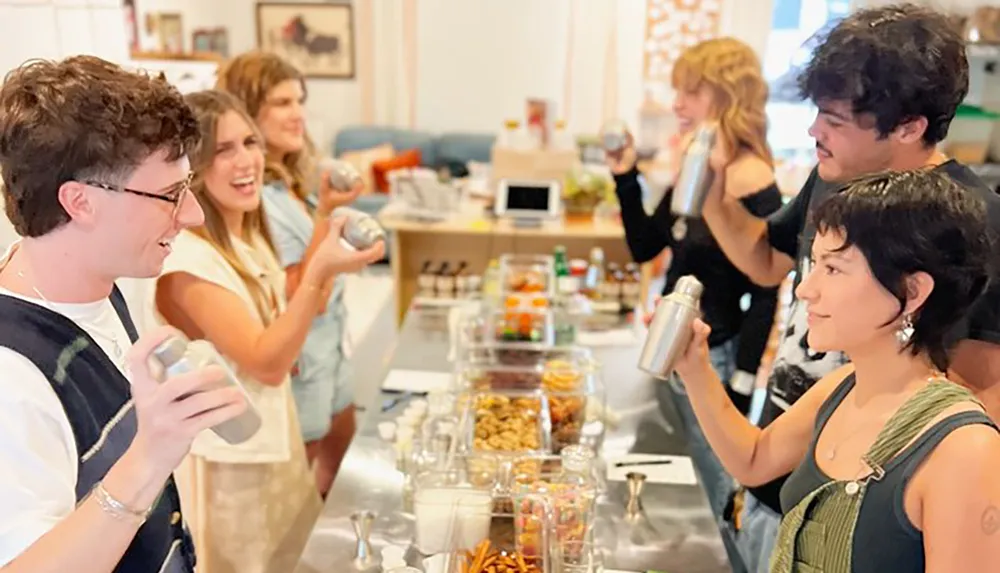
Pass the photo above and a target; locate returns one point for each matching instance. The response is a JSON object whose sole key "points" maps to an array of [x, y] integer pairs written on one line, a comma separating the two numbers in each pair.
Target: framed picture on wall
{"points": [[168, 29], [317, 38], [211, 40]]}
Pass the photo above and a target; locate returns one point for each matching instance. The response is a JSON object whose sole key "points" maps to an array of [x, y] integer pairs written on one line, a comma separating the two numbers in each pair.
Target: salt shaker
{"points": [[341, 175], [177, 355], [361, 231], [695, 176], [670, 330]]}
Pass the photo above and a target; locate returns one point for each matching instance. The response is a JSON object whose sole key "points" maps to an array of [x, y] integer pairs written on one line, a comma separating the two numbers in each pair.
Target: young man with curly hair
{"points": [[887, 82], [96, 181]]}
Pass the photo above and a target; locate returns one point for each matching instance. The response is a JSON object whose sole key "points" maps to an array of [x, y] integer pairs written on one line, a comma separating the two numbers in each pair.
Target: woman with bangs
{"points": [[297, 199], [717, 81], [253, 503], [893, 466]]}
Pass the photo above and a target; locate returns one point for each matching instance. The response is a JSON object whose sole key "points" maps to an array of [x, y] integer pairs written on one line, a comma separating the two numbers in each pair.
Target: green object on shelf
{"points": [[966, 111]]}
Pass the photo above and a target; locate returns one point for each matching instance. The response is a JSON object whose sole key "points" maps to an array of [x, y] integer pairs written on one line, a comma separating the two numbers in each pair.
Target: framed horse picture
{"points": [[317, 38]]}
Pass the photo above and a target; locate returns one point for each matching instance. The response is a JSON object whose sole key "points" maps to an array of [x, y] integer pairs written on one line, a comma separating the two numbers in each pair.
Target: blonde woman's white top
{"points": [[197, 257]]}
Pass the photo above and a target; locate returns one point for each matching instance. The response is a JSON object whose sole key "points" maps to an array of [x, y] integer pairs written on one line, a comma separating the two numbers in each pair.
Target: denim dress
{"points": [[320, 378]]}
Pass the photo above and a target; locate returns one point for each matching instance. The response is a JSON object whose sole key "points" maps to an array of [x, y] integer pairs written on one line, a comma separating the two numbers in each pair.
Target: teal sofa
{"points": [[451, 150]]}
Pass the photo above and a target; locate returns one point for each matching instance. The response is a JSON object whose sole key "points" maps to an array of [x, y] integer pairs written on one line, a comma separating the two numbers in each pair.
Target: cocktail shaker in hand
{"points": [[614, 136], [670, 331], [695, 176], [177, 356], [342, 175], [361, 231]]}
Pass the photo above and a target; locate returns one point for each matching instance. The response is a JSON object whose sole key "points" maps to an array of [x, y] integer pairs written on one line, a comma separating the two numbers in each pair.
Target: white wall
{"points": [[57, 28], [332, 103]]}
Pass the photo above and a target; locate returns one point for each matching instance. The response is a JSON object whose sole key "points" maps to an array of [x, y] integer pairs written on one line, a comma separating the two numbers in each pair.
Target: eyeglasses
{"points": [[174, 194]]}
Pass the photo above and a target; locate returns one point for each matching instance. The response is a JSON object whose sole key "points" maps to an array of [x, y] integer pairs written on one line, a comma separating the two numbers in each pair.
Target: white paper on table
{"points": [[416, 381], [612, 337], [679, 470]]}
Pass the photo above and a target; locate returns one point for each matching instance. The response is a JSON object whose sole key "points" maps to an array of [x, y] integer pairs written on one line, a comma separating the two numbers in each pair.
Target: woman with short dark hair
{"points": [[898, 260]]}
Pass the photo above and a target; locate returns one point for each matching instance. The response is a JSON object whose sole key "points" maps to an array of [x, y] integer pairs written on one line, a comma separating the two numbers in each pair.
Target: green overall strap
{"points": [[842, 502], [912, 417]]}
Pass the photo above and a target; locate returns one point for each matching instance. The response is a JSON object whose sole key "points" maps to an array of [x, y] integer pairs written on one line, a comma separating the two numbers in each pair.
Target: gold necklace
{"points": [[832, 452]]}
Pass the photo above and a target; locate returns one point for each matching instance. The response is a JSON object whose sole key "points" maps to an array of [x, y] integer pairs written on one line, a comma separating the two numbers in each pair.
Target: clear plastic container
{"points": [[569, 498], [527, 275], [525, 354], [566, 387], [501, 545], [518, 324], [506, 421], [450, 513]]}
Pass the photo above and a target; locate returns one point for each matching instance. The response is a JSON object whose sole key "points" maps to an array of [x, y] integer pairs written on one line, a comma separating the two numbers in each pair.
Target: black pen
{"points": [[643, 463]]}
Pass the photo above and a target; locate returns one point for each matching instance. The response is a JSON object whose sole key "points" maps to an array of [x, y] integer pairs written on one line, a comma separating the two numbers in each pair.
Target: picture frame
{"points": [[318, 39], [168, 29], [211, 41]]}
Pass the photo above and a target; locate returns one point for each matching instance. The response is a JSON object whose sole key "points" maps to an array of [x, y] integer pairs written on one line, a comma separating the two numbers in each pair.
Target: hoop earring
{"points": [[905, 331]]}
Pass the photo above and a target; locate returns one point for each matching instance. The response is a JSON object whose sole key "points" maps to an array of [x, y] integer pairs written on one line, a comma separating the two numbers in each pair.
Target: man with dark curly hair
{"points": [[887, 82], [96, 181]]}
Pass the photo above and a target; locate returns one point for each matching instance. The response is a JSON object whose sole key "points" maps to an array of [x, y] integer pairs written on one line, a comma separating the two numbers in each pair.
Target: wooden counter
{"points": [[477, 240]]}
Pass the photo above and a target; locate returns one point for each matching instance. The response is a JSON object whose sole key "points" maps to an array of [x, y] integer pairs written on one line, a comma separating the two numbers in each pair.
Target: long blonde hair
{"points": [[733, 71], [209, 106], [250, 77]]}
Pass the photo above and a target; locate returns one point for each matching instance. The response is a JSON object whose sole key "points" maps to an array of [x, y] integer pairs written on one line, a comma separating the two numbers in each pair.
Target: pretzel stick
{"points": [[477, 564]]}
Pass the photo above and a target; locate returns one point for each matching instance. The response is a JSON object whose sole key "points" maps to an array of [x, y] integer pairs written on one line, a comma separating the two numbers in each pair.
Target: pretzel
{"points": [[486, 559]]}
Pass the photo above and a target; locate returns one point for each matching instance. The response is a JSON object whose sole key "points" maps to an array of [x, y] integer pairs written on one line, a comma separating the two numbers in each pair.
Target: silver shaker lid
{"points": [[689, 286], [170, 351], [704, 137]]}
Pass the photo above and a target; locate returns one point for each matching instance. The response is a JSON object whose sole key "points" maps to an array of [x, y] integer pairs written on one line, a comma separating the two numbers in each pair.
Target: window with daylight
{"points": [[793, 24]]}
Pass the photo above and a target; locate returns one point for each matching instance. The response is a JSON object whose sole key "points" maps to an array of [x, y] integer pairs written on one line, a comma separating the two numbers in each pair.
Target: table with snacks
{"points": [[516, 434], [457, 249]]}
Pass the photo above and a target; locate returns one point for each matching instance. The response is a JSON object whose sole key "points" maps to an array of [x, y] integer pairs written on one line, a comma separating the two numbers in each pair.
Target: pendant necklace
{"points": [[119, 353]]}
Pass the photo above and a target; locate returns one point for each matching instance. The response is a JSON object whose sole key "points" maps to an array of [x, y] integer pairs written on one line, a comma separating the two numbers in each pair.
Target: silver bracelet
{"points": [[117, 509]]}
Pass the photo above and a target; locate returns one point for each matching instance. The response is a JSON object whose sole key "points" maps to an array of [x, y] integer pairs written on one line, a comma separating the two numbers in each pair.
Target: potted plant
{"points": [[584, 191]]}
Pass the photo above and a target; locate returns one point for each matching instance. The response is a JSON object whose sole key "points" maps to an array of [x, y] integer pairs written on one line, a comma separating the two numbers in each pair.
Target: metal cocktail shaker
{"points": [[670, 330], [614, 135], [178, 356], [695, 176], [361, 231], [342, 175]]}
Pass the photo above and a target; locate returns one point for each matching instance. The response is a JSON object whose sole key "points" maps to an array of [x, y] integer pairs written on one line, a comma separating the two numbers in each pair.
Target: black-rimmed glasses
{"points": [[173, 194]]}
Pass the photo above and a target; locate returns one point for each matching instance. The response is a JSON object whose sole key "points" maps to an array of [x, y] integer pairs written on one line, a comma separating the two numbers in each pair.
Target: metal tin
{"points": [[341, 175], [695, 176], [178, 356], [614, 135], [670, 330], [361, 231]]}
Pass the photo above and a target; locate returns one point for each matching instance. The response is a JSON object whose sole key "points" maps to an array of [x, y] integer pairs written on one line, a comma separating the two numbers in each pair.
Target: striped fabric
{"points": [[817, 535]]}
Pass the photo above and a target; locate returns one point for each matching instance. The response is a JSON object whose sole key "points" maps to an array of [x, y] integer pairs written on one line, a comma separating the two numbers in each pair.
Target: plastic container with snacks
{"points": [[527, 275], [567, 386], [569, 502]]}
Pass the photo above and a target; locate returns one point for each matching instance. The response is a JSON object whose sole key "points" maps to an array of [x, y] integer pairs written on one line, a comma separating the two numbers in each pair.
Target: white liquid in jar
{"points": [[450, 519]]}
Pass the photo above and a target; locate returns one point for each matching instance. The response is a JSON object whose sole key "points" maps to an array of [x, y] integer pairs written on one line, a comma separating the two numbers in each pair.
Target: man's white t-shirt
{"points": [[38, 456]]}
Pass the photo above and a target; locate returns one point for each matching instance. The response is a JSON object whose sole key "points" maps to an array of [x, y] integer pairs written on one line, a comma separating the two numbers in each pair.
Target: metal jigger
{"points": [[633, 507], [364, 556]]}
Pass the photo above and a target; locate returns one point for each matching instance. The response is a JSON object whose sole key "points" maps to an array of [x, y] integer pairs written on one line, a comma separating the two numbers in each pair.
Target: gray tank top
{"points": [[884, 538]]}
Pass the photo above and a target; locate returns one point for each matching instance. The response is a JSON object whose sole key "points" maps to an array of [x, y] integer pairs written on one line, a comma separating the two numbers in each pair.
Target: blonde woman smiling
{"points": [[254, 502]]}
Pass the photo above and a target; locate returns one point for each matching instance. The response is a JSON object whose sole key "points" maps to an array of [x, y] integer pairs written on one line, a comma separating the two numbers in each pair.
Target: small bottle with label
{"points": [[461, 281], [611, 288], [444, 282], [426, 281], [594, 278], [632, 287]]}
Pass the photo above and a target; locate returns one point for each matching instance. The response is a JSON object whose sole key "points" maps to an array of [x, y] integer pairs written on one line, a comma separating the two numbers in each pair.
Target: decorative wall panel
{"points": [[672, 26]]}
